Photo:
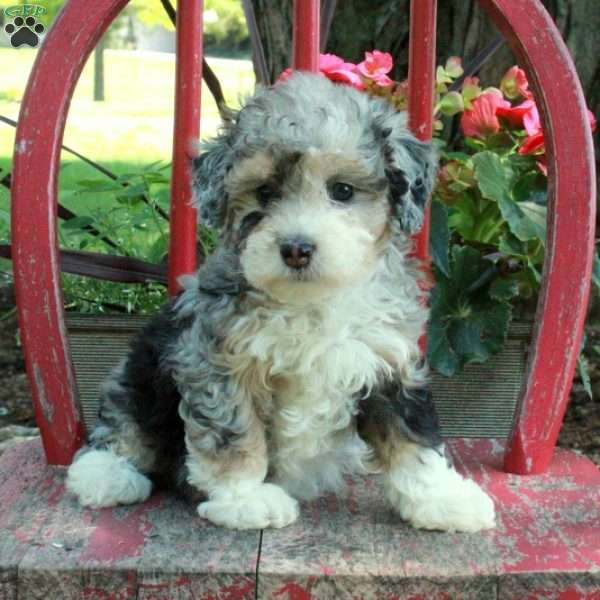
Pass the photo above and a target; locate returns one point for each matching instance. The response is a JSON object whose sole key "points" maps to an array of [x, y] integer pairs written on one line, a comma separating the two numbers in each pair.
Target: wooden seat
{"points": [[571, 201], [350, 546]]}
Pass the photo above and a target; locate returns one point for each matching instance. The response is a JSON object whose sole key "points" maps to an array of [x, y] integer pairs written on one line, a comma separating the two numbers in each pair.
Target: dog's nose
{"points": [[297, 253]]}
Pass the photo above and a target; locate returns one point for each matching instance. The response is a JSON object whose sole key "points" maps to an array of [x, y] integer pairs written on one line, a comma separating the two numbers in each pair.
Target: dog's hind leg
{"points": [[421, 485], [110, 470]]}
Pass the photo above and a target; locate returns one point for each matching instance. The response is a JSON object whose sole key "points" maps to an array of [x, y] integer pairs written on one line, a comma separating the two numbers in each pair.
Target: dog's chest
{"points": [[319, 350]]}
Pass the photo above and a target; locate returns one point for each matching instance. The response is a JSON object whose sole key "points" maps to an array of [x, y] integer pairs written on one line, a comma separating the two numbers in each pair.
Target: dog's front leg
{"points": [[227, 460], [403, 428]]}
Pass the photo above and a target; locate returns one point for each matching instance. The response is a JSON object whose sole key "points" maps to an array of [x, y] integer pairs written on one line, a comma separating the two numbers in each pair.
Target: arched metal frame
{"points": [[571, 200]]}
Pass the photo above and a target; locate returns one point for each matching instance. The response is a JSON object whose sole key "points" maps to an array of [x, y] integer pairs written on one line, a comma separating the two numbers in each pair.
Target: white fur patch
{"points": [[317, 360], [246, 505], [430, 494], [100, 478]]}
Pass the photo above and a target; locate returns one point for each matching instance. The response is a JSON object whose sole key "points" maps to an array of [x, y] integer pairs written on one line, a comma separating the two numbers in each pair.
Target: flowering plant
{"points": [[488, 212]]}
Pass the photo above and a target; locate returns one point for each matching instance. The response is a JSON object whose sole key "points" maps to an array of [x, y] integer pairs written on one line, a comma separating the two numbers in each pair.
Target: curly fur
{"points": [[261, 382]]}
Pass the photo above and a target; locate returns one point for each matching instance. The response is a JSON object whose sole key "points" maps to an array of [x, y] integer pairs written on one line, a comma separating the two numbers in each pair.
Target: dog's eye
{"points": [[265, 193], [341, 192]]}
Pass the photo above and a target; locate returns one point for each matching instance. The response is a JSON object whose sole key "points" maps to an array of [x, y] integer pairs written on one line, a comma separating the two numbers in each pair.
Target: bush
{"points": [[225, 29]]}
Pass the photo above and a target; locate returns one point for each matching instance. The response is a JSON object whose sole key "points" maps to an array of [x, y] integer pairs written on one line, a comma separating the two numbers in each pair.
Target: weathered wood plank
{"points": [[567, 586], [160, 549], [354, 546], [546, 524]]}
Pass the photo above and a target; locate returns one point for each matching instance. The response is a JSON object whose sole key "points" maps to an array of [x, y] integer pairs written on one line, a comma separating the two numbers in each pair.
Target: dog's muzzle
{"points": [[297, 253]]}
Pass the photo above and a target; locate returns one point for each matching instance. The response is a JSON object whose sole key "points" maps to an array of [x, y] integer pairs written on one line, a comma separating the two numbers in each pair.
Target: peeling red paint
{"points": [[293, 591], [564, 295], [115, 538], [240, 590], [188, 85]]}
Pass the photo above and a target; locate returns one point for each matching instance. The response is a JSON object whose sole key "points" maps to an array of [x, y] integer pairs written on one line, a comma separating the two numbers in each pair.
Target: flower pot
{"points": [[479, 402]]}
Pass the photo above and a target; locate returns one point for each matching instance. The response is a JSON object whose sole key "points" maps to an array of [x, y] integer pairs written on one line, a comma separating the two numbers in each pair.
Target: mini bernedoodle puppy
{"points": [[292, 359]]}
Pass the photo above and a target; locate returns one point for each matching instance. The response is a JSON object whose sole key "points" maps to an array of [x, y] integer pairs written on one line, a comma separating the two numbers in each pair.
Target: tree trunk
{"points": [[274, 22], [99, 72], [463, 30]]}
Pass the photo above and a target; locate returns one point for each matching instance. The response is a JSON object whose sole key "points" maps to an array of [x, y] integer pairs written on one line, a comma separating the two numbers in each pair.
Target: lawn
{"points": [[131, 129], [133, 126]]}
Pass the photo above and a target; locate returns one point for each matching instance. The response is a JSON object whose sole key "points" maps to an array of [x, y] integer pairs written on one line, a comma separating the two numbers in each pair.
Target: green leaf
{"points": [[491, 176], [494, 183], [470, 312], [439, 236], [98, 185], [504, 289], [158, 251], [440, 354], [536, 217], [596, 271], [80, 222], [582, 367], [513, 246], [531, 187], [461, 156], [461, 217], [132, 191], [156, 177]]}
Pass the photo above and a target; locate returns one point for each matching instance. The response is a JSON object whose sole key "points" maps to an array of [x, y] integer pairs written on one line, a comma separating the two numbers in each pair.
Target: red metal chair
{"points": [[571, 200]]}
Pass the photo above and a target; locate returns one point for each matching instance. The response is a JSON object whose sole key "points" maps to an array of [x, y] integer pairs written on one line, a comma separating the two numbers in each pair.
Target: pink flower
{"points": [[592, 120], [334, 68], [285, 75], [531, 121], [480, 120], [376, 66], [515, 84], [515, 115], [534, 142]]}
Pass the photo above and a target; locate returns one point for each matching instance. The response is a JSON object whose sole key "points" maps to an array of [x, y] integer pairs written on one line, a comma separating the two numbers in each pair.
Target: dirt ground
{"points": [[581, 429]]}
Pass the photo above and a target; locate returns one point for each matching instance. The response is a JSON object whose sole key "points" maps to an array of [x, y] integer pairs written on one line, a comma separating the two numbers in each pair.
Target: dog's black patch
{"points": [[411, 411], [249, 222], [398, 186], [146, 392]]}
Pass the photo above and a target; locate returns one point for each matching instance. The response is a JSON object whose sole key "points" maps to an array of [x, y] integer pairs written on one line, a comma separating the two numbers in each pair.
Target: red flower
{"points": [[334, 68], [480, 120], [515, 114], [376, 66], [532, 144]]}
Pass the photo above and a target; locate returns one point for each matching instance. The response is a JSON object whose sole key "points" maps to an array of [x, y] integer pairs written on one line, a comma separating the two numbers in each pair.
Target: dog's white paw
{"points": [[100, 478], [430, 494], [256, 507]]}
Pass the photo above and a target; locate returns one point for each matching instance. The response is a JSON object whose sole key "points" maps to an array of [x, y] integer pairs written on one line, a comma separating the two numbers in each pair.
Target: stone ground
{"points": [[581, 429]]}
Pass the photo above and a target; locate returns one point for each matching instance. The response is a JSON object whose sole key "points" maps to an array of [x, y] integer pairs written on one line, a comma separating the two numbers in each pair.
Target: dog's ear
{"points": [[410, 168], [208, 176]]}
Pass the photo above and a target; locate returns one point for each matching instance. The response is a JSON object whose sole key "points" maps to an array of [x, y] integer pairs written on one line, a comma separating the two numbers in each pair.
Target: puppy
{"points": [[292, 358]]}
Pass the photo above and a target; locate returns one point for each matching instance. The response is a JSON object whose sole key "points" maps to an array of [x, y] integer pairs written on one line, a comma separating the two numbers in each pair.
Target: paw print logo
{"points": [[24, 32]]}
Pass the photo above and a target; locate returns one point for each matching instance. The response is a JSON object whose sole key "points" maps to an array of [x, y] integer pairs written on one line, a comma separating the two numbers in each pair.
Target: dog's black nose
{"points": [[297, 253]]}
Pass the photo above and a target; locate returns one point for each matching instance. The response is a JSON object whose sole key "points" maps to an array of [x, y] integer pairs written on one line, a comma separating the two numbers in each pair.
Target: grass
{"points": [[131, 129]]}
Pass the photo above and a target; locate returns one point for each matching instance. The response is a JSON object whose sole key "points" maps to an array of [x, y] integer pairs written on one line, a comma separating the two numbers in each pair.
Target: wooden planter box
{"points": [[480, 402]]}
